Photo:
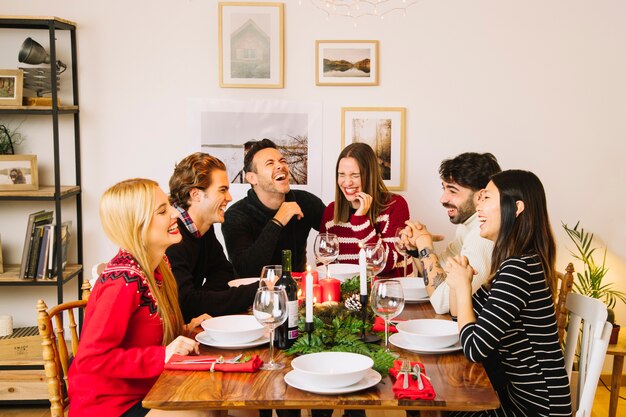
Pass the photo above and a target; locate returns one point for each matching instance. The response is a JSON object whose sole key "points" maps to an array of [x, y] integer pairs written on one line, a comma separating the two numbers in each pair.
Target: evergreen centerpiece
{"points": [[337, 328]]}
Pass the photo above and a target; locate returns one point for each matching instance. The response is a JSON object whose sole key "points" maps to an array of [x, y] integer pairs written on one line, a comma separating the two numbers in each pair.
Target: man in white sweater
{"points": [[462, 179]]}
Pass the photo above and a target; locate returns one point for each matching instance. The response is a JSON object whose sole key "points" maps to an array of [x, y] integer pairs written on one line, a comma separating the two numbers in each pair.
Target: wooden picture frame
{"points": [[11, 87], [346, 62], [251, 44], [18, 173], [383, 128]]}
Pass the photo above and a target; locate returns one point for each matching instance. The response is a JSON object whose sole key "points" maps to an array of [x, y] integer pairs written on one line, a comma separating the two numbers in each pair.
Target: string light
{"points": [[358, 8]]}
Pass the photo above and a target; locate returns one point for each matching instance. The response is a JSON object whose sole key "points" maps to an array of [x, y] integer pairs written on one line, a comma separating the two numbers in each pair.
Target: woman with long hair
{"points": [[133, 323], [509, 324], [364, 211]]}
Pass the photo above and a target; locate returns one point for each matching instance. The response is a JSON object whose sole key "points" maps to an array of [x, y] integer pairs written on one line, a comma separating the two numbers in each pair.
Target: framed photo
{"points": [[11, 87], [346, 62], [251, 45], [18, 172], [383, 128]]}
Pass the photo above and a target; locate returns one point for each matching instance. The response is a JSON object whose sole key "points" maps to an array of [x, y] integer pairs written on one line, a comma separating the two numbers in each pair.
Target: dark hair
{"points": [[470, 169], [254, 148], [192, 172], [371, 182], [530, 231]]}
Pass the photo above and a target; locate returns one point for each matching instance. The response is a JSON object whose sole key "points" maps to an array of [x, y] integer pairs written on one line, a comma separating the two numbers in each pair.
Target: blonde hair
{"points": [[126, 211]]}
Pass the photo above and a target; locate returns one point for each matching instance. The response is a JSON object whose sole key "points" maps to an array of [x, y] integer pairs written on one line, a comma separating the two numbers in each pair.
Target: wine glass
{"points": [[269, 275], [270, 309], [374, 259], [326, 249], [400, 247], [387, 301]]}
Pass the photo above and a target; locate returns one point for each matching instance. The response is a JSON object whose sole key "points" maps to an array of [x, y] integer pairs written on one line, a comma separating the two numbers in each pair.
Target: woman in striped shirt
{"points": [[509, 324]]}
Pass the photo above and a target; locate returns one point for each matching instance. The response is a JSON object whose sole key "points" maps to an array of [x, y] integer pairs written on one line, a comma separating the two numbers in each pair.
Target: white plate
{"points": [[205, 339], [416, 300], [299, 381], [242, 281], [398, 340]]}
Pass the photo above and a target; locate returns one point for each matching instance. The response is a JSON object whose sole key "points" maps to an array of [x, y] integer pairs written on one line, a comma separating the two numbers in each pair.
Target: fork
{"points": [[207, 360], [405, 369]]}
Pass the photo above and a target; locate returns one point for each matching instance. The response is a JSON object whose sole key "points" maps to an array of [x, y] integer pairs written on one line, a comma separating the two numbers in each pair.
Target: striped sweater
{"points": [[515, 337], [359, 230]]}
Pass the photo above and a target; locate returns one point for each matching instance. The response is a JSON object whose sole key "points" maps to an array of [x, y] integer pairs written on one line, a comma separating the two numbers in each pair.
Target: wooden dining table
{"points": [[459, 384]]}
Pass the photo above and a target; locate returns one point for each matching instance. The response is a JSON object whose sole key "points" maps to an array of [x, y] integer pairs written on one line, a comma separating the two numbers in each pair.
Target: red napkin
{"points": [[379, 325], [250, 366], [412, 392]]}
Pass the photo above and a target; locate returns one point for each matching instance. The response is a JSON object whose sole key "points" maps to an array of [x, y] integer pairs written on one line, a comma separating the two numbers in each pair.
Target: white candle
{"points": [[309, 295], [362, 272]]}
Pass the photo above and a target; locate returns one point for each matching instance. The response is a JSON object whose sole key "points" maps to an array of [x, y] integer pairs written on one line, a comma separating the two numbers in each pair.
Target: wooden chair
{"points": [[566, 281], [55, 350], [587, 318]]}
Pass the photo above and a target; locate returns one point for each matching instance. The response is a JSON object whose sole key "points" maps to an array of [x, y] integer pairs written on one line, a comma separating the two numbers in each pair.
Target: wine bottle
{"points": [[287, 333]]}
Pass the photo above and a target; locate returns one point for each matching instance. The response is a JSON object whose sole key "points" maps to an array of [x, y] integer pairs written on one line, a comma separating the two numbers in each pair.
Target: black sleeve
{"points": [[249, 253]]}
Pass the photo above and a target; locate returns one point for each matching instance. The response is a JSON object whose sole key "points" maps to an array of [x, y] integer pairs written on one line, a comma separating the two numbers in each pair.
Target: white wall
{"points": [[538, 83]]}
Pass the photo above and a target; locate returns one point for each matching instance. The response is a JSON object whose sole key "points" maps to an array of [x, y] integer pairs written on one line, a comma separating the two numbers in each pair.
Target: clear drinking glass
{"points": [[387, 301], [326, 249], [270, 309], [270, 274], [400, 247], [374, 259]]}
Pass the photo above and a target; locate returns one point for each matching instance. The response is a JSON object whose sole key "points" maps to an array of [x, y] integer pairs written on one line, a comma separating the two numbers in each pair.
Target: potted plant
{"points": [[8, 138], [589, 282]]}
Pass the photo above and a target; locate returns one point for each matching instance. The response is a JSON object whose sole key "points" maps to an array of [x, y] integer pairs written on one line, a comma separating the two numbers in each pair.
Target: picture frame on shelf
{"points": [[251, 44], [18, 173], [11, 87], [383, 128], [349, 62]]}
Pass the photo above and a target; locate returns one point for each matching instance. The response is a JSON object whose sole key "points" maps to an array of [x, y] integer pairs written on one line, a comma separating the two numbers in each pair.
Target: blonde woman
{"points": [[132, 322]]}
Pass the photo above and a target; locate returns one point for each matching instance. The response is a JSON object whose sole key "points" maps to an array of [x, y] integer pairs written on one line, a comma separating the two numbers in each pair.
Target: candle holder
{"points": [[367, 338], [309, 327]]}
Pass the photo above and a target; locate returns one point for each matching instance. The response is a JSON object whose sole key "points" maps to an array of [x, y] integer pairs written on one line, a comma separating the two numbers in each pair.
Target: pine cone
{"points": [[353, 303]]}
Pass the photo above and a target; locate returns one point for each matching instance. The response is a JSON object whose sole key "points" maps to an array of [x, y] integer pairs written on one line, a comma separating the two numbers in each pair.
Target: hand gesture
{"points": [[181, 346], [418, 236], [365, 202], [287, 210], [459, 273]]}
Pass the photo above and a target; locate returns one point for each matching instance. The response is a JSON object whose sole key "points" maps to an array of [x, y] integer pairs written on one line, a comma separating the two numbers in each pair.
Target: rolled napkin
{"points": [[379, 325], [412, 391], [211, 363]]}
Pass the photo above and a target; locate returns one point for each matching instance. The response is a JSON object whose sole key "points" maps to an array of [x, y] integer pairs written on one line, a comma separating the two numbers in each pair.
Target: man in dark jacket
{"points": [[199, 189]]}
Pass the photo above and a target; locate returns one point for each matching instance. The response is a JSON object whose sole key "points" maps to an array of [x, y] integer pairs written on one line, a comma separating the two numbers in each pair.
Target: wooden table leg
{"points": [[616, 382]]}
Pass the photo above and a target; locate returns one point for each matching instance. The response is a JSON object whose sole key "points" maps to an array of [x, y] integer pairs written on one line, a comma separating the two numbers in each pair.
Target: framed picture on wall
{"points": [[383, 128], [346, 62], [11, 87], [251, 44], [18, 172]]}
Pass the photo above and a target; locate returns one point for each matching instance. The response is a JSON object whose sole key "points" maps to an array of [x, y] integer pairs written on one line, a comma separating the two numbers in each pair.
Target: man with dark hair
{"points": [[462, 179], [272, 217], [199, 191]]}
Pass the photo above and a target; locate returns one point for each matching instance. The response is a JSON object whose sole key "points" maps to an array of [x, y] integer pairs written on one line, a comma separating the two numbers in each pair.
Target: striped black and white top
{"points": [[515, 337]]}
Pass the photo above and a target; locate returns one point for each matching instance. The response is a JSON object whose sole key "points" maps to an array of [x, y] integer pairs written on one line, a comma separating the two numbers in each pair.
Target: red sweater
{"points": [[120, 355], [359, 230]]}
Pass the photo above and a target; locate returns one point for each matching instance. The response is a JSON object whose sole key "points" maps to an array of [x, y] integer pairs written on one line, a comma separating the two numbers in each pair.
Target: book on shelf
{"points": [[64, 245], [44, 250], [38, 218]]}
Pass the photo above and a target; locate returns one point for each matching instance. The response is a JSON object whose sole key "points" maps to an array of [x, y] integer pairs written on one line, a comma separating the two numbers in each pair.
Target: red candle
{"points": [[317, 293], [331, 289]]}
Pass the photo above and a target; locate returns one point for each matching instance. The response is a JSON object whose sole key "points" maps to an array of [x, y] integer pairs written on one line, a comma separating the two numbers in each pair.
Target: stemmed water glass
{"points": [[387, 301], [270, 274], [374, 259], [400, 247], [270, 309], [326, 249]]}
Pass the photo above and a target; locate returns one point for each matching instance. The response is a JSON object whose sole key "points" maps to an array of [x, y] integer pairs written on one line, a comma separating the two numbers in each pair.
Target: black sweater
{"points": [[202, 273], [253, 240]]}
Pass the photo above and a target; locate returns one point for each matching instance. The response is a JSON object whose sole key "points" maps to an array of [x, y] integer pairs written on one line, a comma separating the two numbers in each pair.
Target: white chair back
{"points": [[587, 316]]}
